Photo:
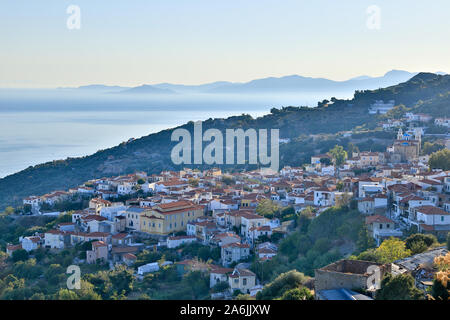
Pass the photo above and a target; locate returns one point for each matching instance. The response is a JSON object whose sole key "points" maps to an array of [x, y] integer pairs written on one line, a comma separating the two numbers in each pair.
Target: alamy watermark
{"points": [[74, 280], [74, 20], [373, 21], [213, 153]]}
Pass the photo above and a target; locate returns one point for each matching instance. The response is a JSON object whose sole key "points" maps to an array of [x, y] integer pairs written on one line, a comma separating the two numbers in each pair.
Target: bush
{"points": [[20, 255], [401, 287], [297, 294], [284, 282], [220, 287], [427, 239]]}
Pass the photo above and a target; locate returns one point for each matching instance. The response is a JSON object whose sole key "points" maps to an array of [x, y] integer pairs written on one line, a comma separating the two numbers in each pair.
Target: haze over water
{"points": [[37, 126]]}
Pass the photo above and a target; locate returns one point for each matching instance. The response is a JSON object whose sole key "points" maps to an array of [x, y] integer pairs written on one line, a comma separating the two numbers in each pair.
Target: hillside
{"points": [[428, 93]]}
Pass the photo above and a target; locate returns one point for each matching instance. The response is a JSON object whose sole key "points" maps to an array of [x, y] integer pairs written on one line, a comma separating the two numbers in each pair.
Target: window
{"points": [[381, 226], [442, 218], [244, 281], [387, 226]]}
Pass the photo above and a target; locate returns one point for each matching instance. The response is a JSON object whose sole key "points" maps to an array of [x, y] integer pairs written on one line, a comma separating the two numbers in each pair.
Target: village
{"points": [[227, 211]]}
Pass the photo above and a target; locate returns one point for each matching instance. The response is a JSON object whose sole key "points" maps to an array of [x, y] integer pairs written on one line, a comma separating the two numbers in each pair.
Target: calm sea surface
{"points": [[42, 125]]}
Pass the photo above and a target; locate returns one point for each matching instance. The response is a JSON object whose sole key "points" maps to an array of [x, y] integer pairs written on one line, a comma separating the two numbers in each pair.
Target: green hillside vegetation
{"points": [[315, 243]]}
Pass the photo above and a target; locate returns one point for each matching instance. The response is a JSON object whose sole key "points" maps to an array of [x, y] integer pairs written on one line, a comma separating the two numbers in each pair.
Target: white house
{"points": [[218, 275], [323, 197], [30, 243], [442, 122], [149, 267], [242, 280], [173, 242], [233, 252], [381, 227], [54, 239], [249, 221], [430, 218]]}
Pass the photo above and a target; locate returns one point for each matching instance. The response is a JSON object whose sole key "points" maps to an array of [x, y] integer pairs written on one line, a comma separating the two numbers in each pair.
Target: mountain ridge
{"points": [[285, 84]]}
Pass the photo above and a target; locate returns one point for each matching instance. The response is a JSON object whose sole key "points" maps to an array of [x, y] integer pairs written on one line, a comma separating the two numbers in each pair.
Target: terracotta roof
{"points": [[119, 235], [242, 272], [220, 270], [129, 256], [378, 219], [99, 244], [431, 210], [14, 247], [237, 245]]}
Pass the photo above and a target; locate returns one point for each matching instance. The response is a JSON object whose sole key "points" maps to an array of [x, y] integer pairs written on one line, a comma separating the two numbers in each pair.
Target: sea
{"points": [[41, 125]]}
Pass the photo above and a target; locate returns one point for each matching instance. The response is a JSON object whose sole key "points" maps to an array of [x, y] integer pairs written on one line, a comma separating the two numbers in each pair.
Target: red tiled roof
{"points": [[378, 219], [431, 210]]}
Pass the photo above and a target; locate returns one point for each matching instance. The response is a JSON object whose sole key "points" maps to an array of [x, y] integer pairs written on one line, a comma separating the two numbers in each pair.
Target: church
{"points": [[407, 146]]}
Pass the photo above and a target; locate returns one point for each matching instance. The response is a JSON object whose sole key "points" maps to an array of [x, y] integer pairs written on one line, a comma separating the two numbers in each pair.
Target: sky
{"points": [[132, 42]]}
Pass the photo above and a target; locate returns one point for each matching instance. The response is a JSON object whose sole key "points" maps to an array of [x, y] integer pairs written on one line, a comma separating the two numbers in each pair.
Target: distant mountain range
{"points": [[287, 84]]}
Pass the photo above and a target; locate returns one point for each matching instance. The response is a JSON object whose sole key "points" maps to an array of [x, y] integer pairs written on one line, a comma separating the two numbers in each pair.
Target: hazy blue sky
{"points": [[196, 41]]}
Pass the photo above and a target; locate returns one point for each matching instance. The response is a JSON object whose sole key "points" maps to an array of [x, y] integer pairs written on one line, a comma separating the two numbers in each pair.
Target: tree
{"points": [[86, 292], [27, 269], [303, 221], [122, 279], [365, 241], [204, 253], [66, 294], [197, 282], [401, 287], [193, 182], [351, 148], [368, 255], [396, 113], [440, 160], [227, 180], [418, 247], [9, 210], [392, 249], [439, 291], [20, 255], [339, 155], [38, 296], [284, 282], [221, 286], [54, 274], [419, 241], [302, 293], [267, 208], [429, 148], [325, 161]]}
